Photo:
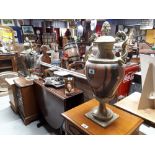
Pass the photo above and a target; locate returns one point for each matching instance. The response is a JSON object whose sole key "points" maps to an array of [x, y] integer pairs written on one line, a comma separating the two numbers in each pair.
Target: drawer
{"points": [[72, 129]]}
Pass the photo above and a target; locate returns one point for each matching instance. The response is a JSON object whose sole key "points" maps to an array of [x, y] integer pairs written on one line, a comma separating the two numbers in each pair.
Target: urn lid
{"points": [[105, 39]]}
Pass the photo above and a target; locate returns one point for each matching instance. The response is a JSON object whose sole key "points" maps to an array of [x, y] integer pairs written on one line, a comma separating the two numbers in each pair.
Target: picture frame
{"points": [[27, 29], [69, 86], [7, 22]]}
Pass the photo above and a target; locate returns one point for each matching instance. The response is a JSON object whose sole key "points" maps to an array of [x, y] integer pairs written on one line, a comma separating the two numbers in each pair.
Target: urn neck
{"points": [[105, 50], [105, 46]]}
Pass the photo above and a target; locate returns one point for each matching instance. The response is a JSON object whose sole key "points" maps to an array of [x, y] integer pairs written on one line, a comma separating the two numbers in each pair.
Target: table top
{"points": [[22, 82], [10, 81], [8, 54], [131, 103], [146, 51], [59, 92], [125, 124]]}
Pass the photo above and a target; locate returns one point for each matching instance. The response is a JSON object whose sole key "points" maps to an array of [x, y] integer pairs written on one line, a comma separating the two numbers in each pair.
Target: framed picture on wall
{"points": [[7, 22], [27, 29]]}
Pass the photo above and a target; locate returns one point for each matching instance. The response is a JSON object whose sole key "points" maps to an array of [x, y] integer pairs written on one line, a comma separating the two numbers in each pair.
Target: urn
{"points": [[104, 73]]}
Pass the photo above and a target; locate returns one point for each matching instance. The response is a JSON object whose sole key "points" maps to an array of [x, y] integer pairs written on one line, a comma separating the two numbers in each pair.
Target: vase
{"points": [[104, 73]]}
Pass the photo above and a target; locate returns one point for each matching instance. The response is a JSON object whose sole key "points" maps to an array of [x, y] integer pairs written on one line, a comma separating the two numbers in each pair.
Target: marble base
{"points": [[101, 123]]}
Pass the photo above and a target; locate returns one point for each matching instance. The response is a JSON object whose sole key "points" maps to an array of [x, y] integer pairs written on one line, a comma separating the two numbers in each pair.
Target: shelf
{"points": [[8, 62], [6, 67]]}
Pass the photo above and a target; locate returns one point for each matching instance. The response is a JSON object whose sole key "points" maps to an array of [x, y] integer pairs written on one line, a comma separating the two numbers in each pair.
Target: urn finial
{"points": [[106, 27]]}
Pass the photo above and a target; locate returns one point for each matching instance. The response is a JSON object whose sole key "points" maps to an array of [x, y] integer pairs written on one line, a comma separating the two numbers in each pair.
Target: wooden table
{"points": [[53, 101], [77, 123], [130, 104]]}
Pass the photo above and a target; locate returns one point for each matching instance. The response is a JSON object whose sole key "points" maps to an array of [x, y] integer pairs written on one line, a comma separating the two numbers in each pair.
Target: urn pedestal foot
{"points": [[104, 115], [101, 119]]}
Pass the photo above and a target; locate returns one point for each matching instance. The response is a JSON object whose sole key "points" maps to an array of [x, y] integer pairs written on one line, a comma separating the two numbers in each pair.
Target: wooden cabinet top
{"points": [[125, 124], [5, 56], [22, 82], [59, 92], [10, 81], [131, 103]]}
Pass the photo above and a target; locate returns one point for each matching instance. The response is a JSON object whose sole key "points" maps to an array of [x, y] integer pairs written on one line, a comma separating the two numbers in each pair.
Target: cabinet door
{"points": [[29, 101]]}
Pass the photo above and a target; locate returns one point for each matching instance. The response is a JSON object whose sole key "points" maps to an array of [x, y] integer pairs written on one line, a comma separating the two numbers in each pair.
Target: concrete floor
{"points": [[12, 124]]}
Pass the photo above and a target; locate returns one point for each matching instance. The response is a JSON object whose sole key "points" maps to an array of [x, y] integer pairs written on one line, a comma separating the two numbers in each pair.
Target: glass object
{"points": [[69, 86]]}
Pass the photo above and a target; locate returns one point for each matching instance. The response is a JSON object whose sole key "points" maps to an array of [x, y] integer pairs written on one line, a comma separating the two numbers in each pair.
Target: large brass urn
{"points": [[104, 73]]}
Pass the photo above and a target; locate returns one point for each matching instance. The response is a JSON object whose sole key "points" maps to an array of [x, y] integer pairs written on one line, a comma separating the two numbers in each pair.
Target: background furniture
{"points": [[145, 48], [150, 36], [70, 54], [130, 104], [8, 62], [26, 101], [53, 102], [77, 123]]}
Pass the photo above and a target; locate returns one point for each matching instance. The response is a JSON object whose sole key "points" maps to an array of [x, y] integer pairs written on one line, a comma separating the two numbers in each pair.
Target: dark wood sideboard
{"points": [[53, 102], [26, 101]]}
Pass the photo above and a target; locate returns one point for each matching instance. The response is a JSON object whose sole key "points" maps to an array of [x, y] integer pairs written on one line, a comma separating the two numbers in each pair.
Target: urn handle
{"points": [[88, 54], [122, 35]]}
